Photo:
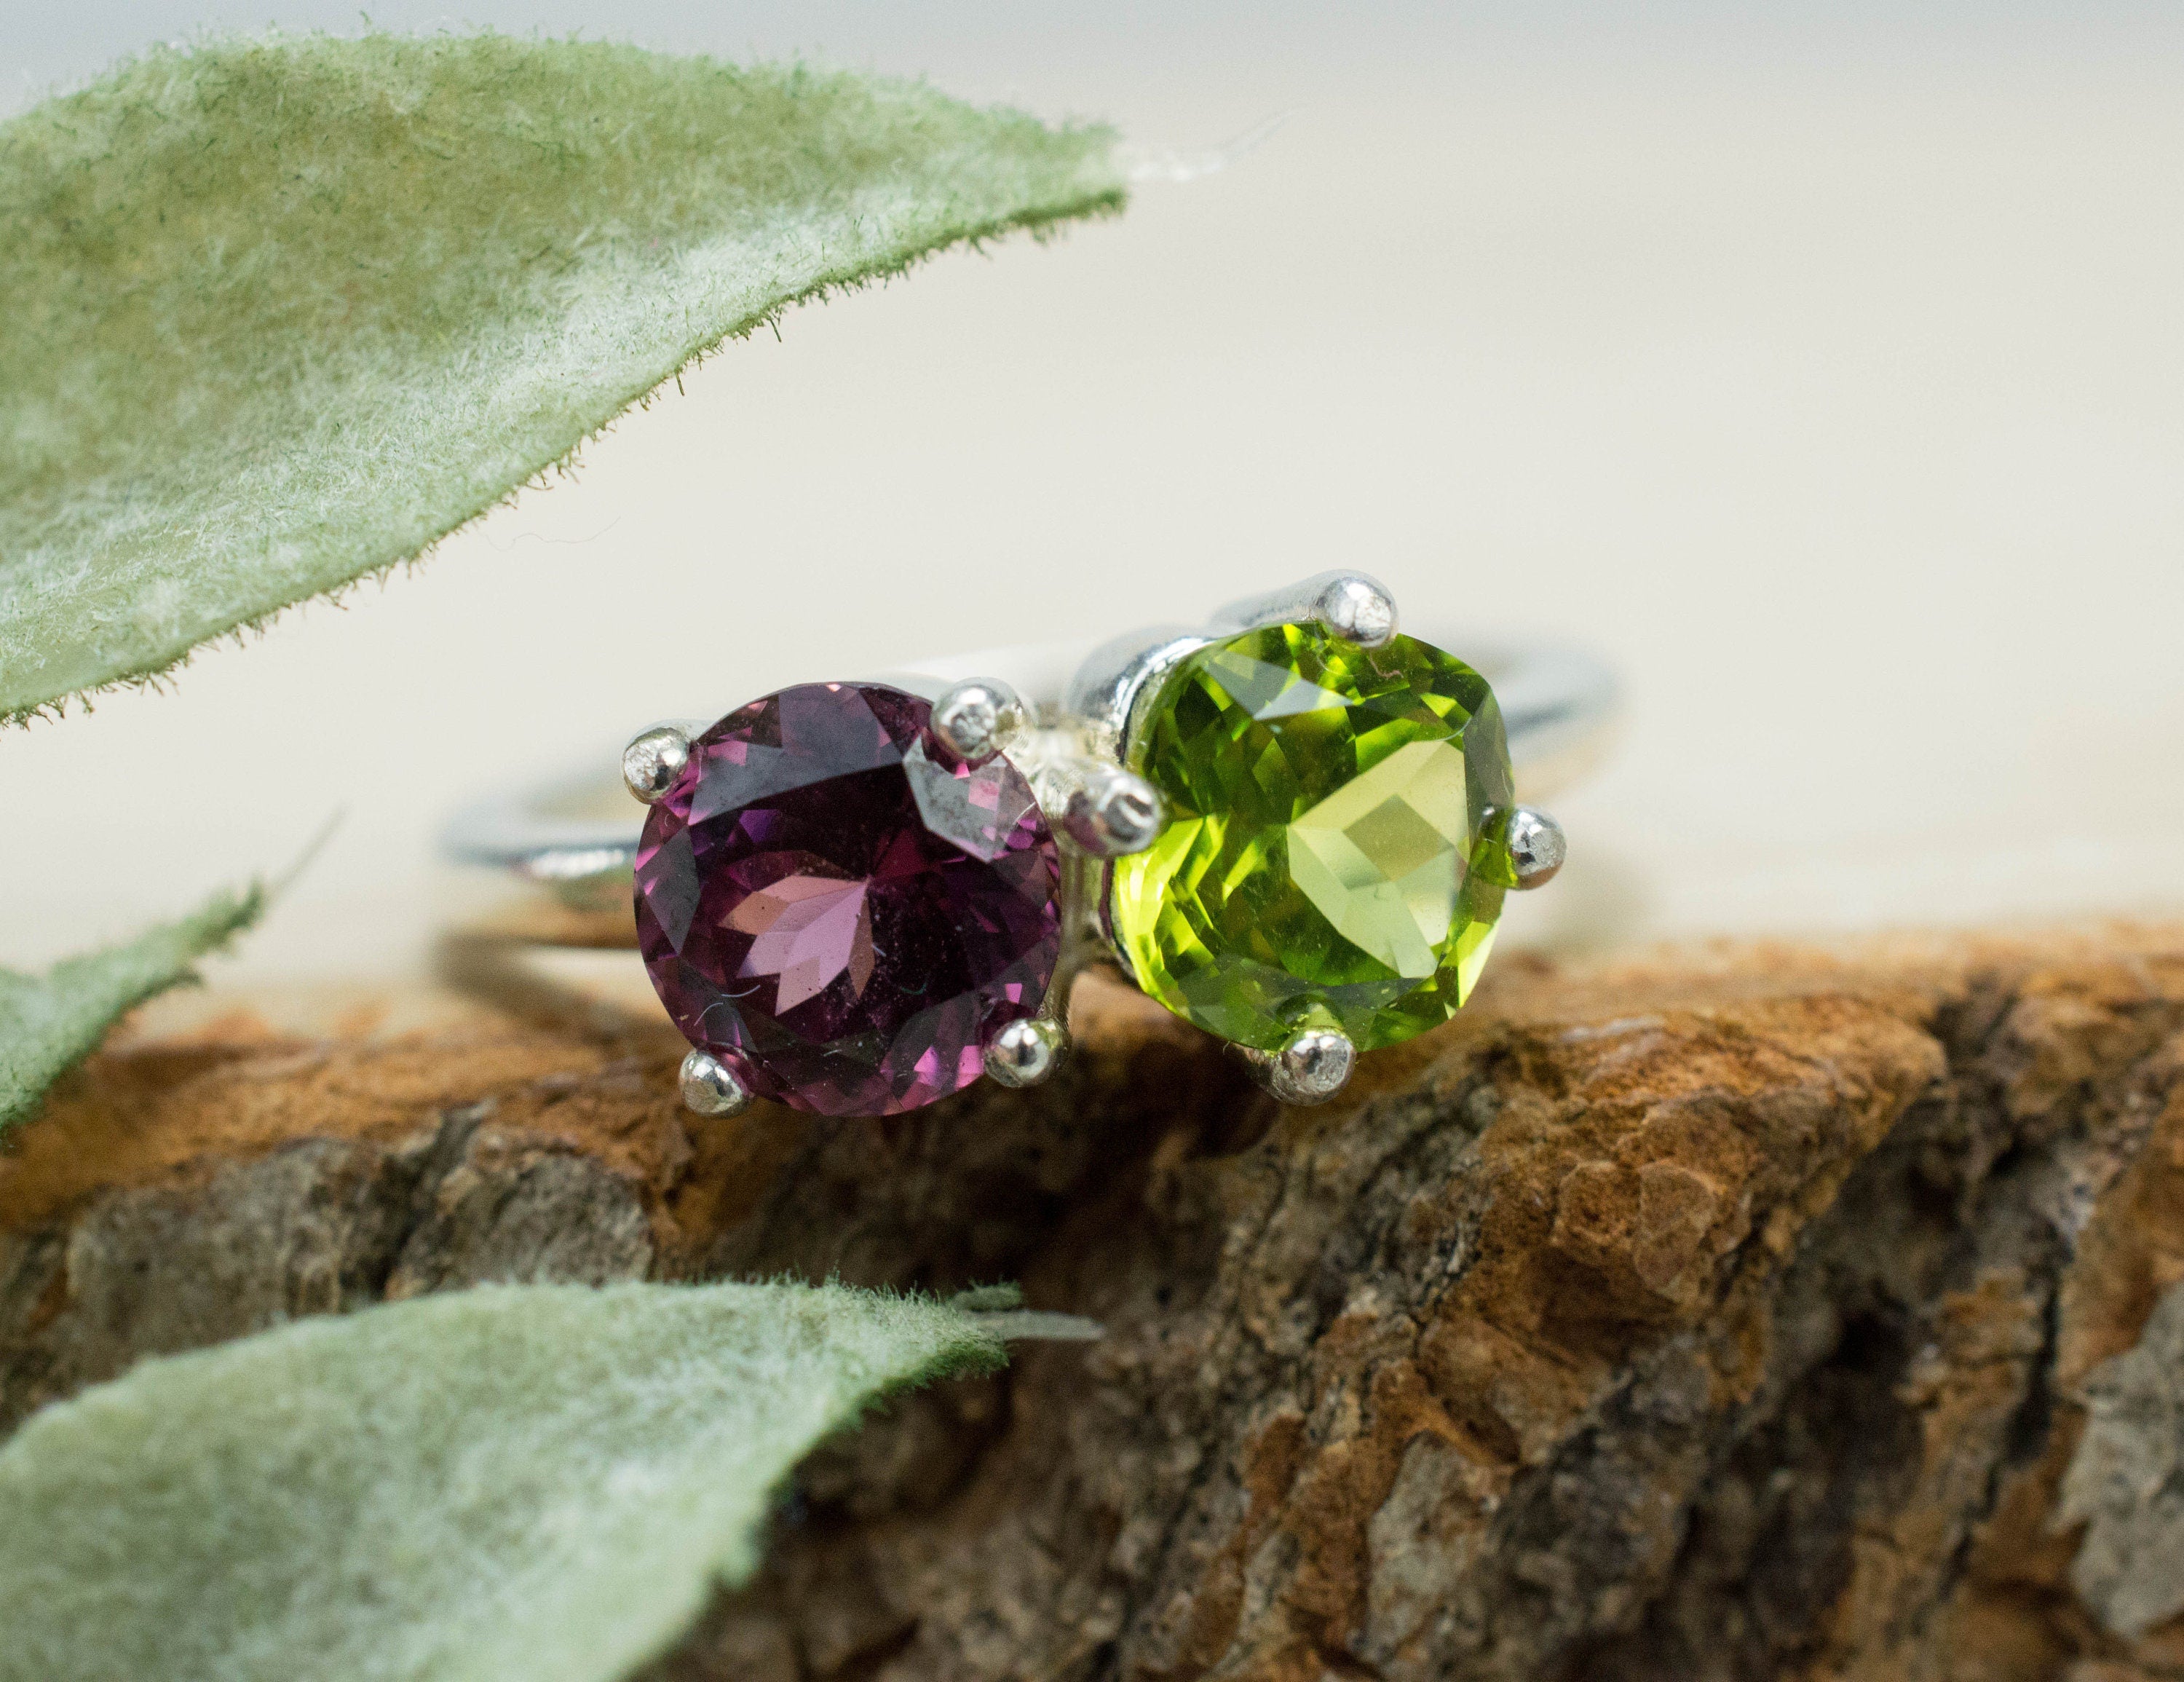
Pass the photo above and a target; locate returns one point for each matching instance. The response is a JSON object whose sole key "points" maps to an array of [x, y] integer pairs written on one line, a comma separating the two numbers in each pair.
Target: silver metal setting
{"points": [[711, 1087], [1358, 610], [653, 759], [978, 718], [1356, 606], [1112, 812], [1310, 1069], [1026, 1051], [1119, 678], [1537, 846]]}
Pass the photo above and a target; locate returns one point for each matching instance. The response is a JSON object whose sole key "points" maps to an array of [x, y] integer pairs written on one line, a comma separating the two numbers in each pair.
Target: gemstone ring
{"points": [[1292, 829]]}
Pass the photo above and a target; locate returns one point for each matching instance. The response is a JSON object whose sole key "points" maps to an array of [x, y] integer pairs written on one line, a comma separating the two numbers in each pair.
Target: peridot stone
{"points": [[1334, 853]]}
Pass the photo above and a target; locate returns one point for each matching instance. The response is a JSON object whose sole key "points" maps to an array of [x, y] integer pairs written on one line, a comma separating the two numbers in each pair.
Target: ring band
{"points": [[575, 835]]}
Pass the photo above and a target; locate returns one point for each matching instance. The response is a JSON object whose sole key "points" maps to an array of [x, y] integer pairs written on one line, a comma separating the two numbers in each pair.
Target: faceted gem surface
{"points": [[831, 903], [1335, 849]]}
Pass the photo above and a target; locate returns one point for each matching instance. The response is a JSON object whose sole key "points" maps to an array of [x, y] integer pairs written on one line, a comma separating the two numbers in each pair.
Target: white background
{"points": [[1823, 365]]}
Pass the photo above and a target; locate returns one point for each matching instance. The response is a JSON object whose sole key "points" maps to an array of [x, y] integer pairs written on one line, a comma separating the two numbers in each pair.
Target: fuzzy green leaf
{"points": [[50, 1023], [540, 1481], [281, 313]]}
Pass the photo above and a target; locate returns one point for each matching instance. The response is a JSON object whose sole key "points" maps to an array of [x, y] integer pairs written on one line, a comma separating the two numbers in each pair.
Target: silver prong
{"points": [[1112, 812], [1354, 605], [653, 760], [711, 1088], [1310, 1069], [1025, 1052], [1358, 609], [1536, 846], [977, 718]]}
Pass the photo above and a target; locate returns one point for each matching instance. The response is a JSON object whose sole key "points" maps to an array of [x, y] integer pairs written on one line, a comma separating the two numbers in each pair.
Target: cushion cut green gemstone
{"points": [[1335, 849]]}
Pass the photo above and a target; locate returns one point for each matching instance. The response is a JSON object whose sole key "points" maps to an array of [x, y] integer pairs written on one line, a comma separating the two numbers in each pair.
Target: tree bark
{"points": [[1766, 1314]]}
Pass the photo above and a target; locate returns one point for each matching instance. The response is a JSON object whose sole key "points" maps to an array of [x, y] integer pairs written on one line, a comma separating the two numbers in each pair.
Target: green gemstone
{"points": [[1335, 848]]}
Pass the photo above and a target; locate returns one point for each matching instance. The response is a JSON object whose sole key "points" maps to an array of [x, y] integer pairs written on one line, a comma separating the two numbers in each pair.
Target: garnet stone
{"points": [[830, 901]]}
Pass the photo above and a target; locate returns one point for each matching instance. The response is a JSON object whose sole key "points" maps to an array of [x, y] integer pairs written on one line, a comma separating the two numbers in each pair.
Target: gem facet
{"points": [[833, 902], [1336, 848]]}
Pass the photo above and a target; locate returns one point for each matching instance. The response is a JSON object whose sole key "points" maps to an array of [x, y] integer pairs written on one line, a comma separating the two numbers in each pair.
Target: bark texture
{"points": [[1762, 1315]]}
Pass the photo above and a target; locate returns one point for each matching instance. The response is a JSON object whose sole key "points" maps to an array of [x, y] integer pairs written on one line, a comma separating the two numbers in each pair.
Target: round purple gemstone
{"points": [[831, 902]]}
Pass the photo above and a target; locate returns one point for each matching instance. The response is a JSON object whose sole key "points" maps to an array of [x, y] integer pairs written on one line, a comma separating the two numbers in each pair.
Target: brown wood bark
{"points": [[1760, 1314]]}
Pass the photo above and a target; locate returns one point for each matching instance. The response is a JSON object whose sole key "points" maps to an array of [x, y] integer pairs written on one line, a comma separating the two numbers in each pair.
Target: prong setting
{"points": [[1356, 609], [711, 1088], [1355, 606], [653, 760], [1312, 1067], [1026, 1051], [1112, 812], [978, 718], [1537, 847]]}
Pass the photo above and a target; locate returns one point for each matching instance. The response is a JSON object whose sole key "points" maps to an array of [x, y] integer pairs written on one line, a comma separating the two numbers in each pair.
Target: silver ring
{"points": [[1072, 721], [576, 834]]}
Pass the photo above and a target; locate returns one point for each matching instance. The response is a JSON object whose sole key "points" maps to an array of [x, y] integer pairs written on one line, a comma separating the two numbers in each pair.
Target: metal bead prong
{"points": [[1114, 812], [1358, 609], [1025, 1052], [978, 718], [711, 1088], [1310, 1069], [1536, 847], [653, 760]]}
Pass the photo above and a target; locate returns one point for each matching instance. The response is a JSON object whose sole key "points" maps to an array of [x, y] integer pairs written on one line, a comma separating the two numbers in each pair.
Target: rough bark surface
{"points": [[1762, 1315]]}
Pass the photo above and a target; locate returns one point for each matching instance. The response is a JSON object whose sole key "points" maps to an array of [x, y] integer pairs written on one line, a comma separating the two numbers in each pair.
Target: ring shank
{"points": [[578, 836]]}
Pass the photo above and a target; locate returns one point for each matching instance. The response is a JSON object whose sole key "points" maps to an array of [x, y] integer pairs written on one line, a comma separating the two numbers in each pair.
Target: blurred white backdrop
{"points": [[1823, 365]]}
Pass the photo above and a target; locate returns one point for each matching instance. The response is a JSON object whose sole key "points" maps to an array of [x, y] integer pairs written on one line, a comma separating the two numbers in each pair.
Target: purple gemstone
{"points": [[831, 902]]}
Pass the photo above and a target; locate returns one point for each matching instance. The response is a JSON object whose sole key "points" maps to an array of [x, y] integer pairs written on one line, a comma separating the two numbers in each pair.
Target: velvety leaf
{"points": [[540, 1482], [49, 1023], [281, 313]]}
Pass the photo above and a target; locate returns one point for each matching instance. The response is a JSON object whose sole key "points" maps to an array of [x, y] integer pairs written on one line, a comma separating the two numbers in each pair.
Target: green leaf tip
{"points": [[538, 1481], [989, 1299], [999, 1309], [50, 1023], [283, 312]]}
